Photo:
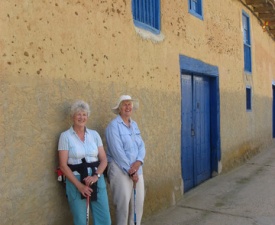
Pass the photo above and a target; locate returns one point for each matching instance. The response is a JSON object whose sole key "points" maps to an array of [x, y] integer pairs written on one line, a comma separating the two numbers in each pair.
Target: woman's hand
{"points": [[135, 178], [134, 167], [85, 190], [89, 180]]}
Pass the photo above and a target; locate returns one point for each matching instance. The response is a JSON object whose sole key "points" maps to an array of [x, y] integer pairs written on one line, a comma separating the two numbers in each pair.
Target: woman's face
{"points": [[80, 118], [126, 108]]}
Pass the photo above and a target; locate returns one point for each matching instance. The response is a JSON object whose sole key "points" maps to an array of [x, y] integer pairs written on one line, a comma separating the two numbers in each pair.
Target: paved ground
{"points": [[244, 196]]}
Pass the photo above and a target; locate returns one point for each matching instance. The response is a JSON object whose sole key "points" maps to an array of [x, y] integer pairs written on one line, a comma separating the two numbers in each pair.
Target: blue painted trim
{"points": [[215, 123], [197, 67], [191, 65], [146, 27], [193, 12], [247, 44], [248, 27], [273, 110]]}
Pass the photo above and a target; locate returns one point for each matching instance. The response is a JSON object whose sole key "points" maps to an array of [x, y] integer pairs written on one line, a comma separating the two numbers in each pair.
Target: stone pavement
{"points": [[244, 196]]}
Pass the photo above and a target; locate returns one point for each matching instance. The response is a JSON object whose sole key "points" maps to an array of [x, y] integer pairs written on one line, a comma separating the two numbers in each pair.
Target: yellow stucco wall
{"points": [[54, 52]]}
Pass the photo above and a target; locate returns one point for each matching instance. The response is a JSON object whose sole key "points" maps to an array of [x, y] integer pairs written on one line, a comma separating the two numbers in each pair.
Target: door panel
{"points": [[186, 143], [202, 129], [195, 130]]}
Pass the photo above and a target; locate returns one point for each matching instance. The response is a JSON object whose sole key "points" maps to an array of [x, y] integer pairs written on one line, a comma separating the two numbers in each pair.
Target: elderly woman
{"points": [[82, 159], [125, 154]]}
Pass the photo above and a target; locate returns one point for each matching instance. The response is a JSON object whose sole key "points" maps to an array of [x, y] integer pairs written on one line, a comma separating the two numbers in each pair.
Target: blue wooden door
{"points": [[195, 131]]}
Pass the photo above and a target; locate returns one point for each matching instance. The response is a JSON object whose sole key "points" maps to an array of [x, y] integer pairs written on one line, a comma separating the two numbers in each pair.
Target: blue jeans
{"points": [[99, 209]]}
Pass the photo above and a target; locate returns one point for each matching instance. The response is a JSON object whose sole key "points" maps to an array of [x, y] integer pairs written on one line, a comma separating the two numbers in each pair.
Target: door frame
{"points": [[193, 66], [273, 109]]}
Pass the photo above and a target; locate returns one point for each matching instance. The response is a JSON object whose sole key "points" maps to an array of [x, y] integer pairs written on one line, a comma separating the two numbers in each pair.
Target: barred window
{"points": [[146, 14]]}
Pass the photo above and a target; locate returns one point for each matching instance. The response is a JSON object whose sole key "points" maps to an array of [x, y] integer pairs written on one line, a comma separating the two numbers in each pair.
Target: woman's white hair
{"points": [[80, 105]]}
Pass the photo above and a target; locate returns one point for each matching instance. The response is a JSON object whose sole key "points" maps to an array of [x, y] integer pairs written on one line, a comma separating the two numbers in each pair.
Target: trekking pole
{"points": [[88, 209], [135, 215]]}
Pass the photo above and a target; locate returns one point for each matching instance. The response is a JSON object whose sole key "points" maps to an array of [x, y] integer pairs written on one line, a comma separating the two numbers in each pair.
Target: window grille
{"points": [[146, 14]]}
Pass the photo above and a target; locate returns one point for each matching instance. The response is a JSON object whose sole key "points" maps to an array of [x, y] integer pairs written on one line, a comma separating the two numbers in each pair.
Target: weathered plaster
{"points": [[53, 52]]}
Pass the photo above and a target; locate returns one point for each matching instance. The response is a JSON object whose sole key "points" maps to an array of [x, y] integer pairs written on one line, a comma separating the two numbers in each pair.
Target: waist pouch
{"points": [[82, 170]]}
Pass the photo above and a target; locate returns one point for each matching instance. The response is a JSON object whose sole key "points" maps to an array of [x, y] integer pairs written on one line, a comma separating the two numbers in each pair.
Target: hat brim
{"points": [[115, 109]]}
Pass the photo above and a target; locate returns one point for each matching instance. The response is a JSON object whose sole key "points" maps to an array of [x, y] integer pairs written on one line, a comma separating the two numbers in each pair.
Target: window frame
{"points": [[145, 17], [196, 12], [246, 28]]}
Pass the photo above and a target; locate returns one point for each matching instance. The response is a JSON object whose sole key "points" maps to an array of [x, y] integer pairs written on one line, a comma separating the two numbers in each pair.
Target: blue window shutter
{"points": [[146, 14], [195, 8], [248, 98], [247, 43], [247, 58]]}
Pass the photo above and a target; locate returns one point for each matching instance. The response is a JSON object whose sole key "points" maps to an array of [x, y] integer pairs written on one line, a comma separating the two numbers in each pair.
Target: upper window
{"points": [[195, 8], [146, 14], [247, 43], [248, 99]]}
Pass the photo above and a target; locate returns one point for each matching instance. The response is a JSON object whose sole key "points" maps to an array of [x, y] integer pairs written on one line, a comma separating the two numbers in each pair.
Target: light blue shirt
{"points": [[78, 149], [125, 145]]}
